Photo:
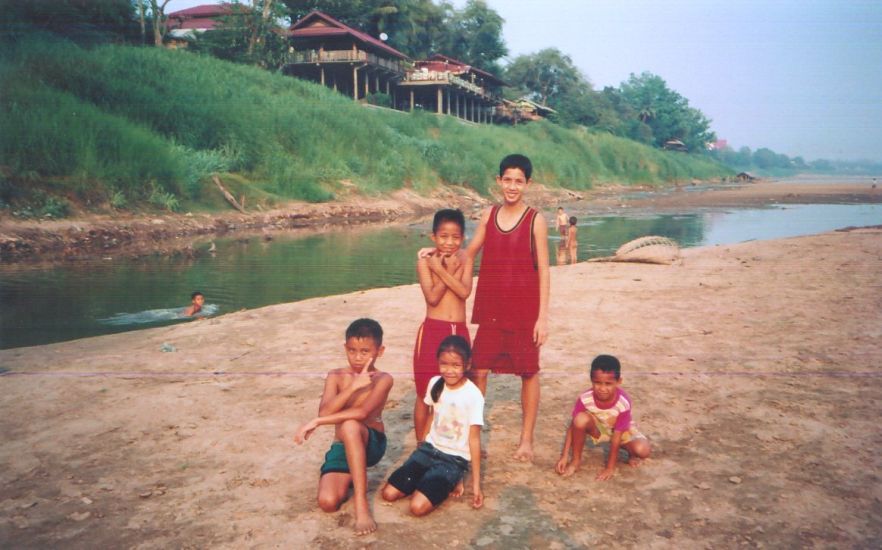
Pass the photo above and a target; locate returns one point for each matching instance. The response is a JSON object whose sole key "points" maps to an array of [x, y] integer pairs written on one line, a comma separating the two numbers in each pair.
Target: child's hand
{"points": [[478, 499], [362, 380], [605, 474], [425, 253], [305, 431], [453, 263], [561, 465], [540, 331], [436, 262]]}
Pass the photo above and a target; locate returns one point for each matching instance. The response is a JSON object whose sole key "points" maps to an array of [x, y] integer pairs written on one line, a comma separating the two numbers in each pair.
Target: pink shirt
{"points": [[616, 417]]}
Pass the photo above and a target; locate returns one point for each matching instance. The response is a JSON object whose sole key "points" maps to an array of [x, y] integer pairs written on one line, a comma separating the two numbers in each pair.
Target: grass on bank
{"points": [[128, 126]]}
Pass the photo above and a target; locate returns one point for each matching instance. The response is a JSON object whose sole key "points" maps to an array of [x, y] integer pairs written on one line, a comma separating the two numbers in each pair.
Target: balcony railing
{"points": [[344, 56], [448, 77]]}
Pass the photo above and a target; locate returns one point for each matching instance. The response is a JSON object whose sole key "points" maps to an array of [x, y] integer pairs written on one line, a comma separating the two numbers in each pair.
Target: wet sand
{"points": [[754, 369]]}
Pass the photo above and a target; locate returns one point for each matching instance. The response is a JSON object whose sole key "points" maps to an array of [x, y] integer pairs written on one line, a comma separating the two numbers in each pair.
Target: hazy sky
{"points": [[802, 77]]}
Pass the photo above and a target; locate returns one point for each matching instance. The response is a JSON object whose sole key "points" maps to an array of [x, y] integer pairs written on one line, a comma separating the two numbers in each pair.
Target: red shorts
{"points": [[425, 351], [505, 351]]}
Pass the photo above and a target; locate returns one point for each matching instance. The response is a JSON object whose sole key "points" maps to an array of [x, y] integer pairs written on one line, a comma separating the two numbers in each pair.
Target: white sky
{"points": [[802, 77]]}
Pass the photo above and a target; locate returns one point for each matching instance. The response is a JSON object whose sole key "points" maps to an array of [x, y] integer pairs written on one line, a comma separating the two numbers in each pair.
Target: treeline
{"points": [[765, 161]]}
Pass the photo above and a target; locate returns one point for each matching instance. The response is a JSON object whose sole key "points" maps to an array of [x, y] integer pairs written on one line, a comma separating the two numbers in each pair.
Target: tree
{"points": [[666, 112], [85, 21], [474, 36], [158, 20], [548, 77], [248, 35], [765, 158]]}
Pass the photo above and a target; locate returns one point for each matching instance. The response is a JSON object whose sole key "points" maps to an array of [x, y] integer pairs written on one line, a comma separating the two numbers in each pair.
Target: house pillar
{"points": [[322, 72], [355, 83], [440, 101], [411, 99]]}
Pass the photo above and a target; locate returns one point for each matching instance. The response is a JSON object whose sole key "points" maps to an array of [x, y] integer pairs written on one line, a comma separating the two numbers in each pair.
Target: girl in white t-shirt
{"points": [[435, 470]]}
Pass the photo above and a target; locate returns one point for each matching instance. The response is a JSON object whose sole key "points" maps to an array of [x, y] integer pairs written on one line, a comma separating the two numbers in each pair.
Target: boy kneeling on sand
{"points": [[353, 402]]}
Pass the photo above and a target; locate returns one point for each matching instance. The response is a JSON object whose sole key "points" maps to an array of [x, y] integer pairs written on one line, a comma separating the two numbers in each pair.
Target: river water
{"points": [[88, 298]]}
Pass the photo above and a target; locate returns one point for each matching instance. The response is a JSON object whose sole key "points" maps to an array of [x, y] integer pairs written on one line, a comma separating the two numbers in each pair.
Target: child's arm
{"points": [[460, 281], [374, 400], [480, 232], [334, 398], [433, 288], [610, 469], [540, 237], [561, 465], [475, 453]]}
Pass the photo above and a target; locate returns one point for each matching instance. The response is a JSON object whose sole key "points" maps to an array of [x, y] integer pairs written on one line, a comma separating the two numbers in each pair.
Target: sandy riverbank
{"points": [[754, 370]]}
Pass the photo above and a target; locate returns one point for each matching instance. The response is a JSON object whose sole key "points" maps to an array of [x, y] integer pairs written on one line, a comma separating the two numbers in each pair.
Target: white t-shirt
{"points": [[454, 414]]}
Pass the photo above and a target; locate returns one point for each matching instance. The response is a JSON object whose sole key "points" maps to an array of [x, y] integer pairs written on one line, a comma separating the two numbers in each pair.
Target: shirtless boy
{"points": [[353, 402], [445, 275]]}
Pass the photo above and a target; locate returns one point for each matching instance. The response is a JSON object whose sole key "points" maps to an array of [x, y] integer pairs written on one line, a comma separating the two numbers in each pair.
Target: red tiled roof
{"points": [[337, 28], [203, 17], [206, 10], [438, 57]]}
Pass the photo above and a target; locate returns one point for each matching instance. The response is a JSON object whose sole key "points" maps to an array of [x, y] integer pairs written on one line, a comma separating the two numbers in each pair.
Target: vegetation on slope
{"points": [[122, 125]]}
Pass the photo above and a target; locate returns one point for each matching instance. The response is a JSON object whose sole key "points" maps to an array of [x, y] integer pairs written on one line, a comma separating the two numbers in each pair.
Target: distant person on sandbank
{"points": [[561, 222]]}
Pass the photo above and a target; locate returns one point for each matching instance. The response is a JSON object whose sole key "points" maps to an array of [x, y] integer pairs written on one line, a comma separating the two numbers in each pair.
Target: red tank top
{"points": [[507, 295]]}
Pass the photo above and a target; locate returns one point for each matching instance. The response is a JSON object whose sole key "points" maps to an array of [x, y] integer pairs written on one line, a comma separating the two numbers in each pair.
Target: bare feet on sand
{"points": [[459, 490], [364, 522]]}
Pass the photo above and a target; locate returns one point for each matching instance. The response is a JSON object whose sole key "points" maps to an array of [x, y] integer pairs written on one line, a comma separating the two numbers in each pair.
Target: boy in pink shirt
{"points": [[604, 413]]}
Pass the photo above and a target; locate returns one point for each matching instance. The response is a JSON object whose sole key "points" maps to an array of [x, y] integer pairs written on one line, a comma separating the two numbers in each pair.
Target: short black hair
{"points": [[365, 328], [454, 215], [607, 363], [196, 293], [516, 160], [573, 220]]}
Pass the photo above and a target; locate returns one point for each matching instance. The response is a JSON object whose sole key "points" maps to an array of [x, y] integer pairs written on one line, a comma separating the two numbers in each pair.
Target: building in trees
{"points": [[447, 86], [345, 59], [183, 26], [354, 63], [522, 110]]}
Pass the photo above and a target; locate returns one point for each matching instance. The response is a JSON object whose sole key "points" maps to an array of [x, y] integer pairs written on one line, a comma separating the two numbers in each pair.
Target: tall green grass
{"points": [[147, 121]]}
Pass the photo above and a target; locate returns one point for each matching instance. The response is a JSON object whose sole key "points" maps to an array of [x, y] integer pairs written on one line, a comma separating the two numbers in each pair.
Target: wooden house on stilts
{"points": [[351, 62], [447, 86], [345, 59]]}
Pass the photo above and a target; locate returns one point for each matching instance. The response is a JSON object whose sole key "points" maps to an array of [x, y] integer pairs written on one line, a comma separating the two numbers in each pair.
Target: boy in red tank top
{"points": [[511, 299]]}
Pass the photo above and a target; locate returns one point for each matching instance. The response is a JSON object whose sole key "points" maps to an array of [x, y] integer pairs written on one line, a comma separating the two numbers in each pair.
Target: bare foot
{"points": [[571, 469], [365, 526], [459, 490], [364, 523], [524, 453]]}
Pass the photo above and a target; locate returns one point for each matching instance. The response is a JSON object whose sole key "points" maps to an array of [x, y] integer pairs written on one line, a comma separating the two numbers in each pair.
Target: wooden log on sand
{"points": [[229, 196]]}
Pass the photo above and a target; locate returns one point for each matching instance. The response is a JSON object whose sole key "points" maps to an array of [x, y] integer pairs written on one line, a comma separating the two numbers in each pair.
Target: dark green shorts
{"points": [[335, 458]]}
